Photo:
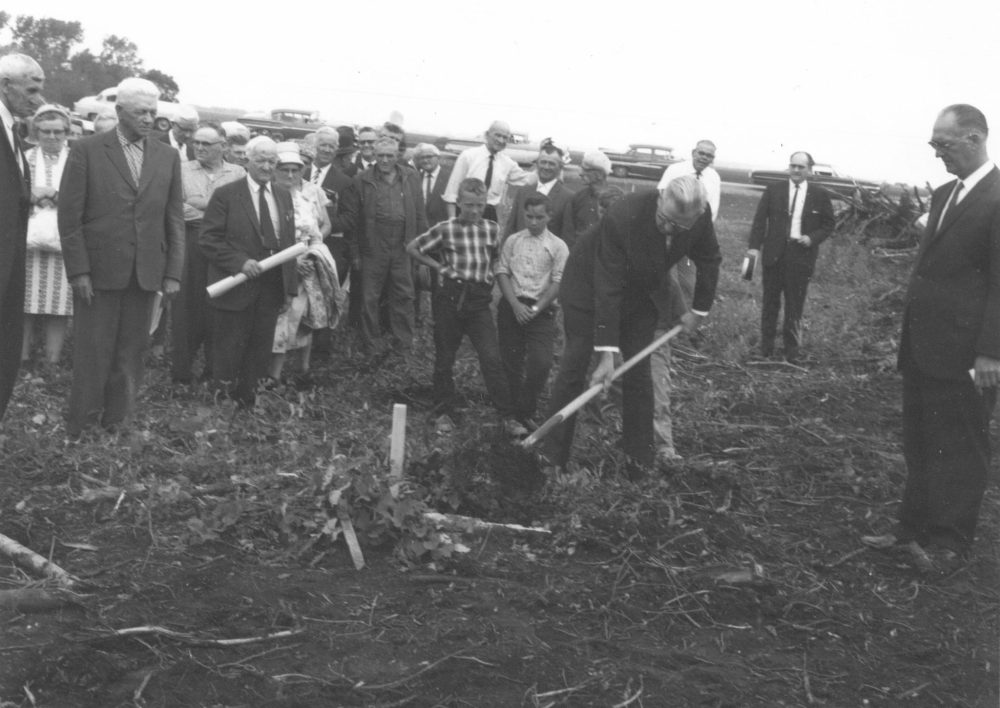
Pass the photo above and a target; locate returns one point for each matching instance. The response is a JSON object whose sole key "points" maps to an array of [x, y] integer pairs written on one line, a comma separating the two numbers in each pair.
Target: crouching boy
{"points": [[463, 252], [529, 271]]}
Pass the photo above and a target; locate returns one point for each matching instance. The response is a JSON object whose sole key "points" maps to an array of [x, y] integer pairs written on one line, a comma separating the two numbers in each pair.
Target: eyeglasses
{"points": [[943, 145], [366, 142], [52, 133], [293, 170], [706, 155], [205, 143]]}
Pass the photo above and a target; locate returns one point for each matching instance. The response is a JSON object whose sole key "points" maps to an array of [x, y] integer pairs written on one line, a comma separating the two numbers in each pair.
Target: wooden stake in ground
{"points": [[581, 400], [27, 558], [397, 446]]}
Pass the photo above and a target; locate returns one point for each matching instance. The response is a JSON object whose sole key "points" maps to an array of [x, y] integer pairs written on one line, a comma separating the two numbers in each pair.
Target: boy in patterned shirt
{"points": [[529, 271], [463, 251]]}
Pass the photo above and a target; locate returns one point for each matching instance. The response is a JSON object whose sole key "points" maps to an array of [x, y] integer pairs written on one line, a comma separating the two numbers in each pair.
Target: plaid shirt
{"points": [[468, 250]]}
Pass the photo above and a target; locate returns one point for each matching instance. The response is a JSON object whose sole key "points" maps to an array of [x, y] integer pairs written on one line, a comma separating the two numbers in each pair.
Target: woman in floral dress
{"points": [[47, 295]]}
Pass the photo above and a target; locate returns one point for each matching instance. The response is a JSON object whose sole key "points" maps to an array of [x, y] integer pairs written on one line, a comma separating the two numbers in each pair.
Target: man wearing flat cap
{"points": [[582, 211], [181, 132]]}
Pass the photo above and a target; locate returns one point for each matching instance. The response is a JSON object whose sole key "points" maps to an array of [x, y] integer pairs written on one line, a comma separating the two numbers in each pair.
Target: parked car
{"points": [[287, 123], [641, 160], [89, 106], [823, 174]]}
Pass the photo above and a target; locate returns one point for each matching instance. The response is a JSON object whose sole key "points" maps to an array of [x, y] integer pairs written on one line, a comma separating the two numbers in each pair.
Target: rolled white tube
{"points": [[227, 284]]}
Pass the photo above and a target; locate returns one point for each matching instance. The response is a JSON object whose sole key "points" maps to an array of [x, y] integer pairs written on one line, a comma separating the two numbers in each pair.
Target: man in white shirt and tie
{"points": [[700, 165], [488, 163], [793, 218]]}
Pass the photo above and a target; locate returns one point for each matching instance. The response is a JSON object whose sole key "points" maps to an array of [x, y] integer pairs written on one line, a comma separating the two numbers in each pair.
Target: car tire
{"points": [[162, 124]]}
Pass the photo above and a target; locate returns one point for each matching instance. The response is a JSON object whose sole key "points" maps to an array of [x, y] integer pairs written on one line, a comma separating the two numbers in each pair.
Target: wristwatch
{"points": [[534, 310]]}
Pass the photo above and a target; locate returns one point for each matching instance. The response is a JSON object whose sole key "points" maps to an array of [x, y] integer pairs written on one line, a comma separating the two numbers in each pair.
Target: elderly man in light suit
{"points": [[21, 81], [121, 217]]}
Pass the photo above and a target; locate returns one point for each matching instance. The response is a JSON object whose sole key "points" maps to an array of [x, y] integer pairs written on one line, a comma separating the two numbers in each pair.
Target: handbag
{"points": [[43, 231]]}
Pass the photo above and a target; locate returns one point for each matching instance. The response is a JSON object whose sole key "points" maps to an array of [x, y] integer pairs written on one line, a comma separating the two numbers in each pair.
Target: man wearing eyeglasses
{"points": [[641, 236], [950, 350], [190, 326], [793, 218], [366, 151]]}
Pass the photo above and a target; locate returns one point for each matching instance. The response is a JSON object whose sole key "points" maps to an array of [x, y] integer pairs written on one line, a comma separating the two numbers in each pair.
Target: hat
{"points": [[51, 108], [597, 160], [288, 152], [346, 142]]}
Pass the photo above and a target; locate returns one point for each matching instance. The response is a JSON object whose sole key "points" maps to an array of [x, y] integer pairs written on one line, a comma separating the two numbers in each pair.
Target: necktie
{"points": [[427, 187], [266, 225], [18, 154], [791, 210], [489, 172], [697, 175], [951, 202], [316, 173]]}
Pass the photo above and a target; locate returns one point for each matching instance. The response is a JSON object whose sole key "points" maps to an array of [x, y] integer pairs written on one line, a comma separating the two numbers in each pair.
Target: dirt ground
{"points": [[735, 579]]}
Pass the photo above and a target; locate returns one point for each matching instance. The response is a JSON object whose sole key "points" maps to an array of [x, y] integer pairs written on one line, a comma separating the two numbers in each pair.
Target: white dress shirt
{"points": [[710, 179], [319, 173], [272, 204], [474, 162], [796, 216]]}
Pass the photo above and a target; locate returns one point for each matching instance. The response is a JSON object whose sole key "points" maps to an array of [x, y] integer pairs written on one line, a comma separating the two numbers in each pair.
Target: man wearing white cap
{"points": [[582, 211], [488, 163]]}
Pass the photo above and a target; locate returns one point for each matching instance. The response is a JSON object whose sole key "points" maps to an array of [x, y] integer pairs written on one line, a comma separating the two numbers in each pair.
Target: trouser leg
{"points": [[448, 335], [482, 331], [796, 283], [539, 334], [570, 381], [401, 296], [126, 373], [637, 388], [512, 342], [773, 279], [662, 385]]}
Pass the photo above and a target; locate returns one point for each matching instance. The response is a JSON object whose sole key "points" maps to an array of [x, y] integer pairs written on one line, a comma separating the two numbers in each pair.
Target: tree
{"points": [[165, 82], [121, 56], [47, 40]]}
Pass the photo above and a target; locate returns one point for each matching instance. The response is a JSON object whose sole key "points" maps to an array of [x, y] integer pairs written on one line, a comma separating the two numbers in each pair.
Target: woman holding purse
{"points": [[47, 295]]}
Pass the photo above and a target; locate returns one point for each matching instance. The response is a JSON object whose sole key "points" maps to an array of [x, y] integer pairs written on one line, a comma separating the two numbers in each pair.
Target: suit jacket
{"points": [[436, 207], [771, 223], [15, 207], [357, 212], [633, 261], [952, 307], [230, 236], [559, 197], [111, 227]]}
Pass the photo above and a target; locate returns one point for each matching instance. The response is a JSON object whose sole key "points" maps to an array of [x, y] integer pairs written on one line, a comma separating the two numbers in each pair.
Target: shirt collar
{"points": [[125, 141], [7, 117], [255, 186], [791, 186], [973, 179]]}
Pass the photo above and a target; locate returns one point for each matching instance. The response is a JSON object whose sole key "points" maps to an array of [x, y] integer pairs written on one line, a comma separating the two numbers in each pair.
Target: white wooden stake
{"points": [[397, 446]]}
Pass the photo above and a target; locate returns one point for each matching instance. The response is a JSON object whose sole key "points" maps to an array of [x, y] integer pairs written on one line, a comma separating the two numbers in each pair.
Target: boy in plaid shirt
{"points": [[463, 251]]}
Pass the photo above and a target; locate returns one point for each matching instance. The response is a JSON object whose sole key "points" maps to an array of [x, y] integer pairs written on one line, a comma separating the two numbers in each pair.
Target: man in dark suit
{"points": [[433, 179], [548, 167], [21, 82], [121, 218], [365, 159], [950, 349], [325, 173], [245, 222], [612, 293], [793, 218]]}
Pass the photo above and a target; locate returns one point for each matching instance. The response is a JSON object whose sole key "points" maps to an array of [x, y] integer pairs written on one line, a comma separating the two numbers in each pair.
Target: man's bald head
{"points": [[497, 136]]}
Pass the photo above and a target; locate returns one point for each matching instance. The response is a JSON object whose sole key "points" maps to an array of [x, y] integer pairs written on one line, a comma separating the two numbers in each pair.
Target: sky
{"points": [[857, 83]]}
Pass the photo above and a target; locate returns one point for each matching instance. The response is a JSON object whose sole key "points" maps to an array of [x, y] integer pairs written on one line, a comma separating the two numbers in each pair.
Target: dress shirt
{"points": [[389, 206], [134, 153], [532, 262], [474, 162], [544, 188], [181, 149], [272, 203], [710, 179], [467, 250], [319, 173], [8, 125], [199, 184], [795, 218], [973, 179], [427, 188]]}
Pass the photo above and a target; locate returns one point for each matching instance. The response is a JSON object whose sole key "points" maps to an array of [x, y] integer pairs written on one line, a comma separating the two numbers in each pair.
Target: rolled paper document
{"points": [[227, 284], [155, 312]]}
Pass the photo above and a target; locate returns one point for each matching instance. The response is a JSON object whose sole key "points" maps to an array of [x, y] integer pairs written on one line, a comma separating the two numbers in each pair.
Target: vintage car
{"points": [[89, 106], [823, 174], [641, 160], [284, 123]]}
